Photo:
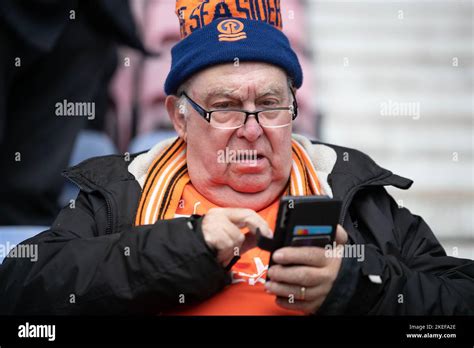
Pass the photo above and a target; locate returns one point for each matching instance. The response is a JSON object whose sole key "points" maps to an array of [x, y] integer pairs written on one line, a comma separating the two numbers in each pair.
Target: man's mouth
{"points": [[249, 157], [245, 158]]}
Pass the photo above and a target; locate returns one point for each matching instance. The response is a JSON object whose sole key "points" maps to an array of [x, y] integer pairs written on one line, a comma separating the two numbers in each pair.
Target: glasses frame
{"points": [[206, 114]]}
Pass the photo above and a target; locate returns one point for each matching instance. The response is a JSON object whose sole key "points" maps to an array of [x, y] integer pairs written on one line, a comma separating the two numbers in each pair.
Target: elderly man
{"points": [[159, 234]]}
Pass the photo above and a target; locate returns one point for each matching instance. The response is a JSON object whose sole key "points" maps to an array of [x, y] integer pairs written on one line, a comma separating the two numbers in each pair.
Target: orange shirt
{"points": [[246, 295]]}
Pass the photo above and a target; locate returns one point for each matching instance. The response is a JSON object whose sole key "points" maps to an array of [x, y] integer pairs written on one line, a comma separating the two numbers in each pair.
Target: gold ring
{"points": [[303, 293]]}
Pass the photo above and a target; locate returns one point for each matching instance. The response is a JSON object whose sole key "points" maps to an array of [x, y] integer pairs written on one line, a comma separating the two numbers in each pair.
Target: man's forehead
{"points": [[227, 80]]}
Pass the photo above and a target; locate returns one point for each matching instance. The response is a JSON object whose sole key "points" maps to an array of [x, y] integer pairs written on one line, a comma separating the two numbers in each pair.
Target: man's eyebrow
{"points": [[230, 92], [277, 90], [221, 92]]}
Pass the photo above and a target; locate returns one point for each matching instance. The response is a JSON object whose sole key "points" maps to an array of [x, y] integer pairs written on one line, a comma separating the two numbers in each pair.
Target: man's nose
{"points": [[251, 130]]}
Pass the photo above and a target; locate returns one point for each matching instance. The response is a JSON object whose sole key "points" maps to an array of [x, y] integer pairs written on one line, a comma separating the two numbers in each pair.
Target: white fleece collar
{"points": [[322, 156]]}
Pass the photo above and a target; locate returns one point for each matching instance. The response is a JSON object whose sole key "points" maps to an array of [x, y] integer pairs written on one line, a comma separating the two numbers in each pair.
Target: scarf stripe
{"points": [[169, 197], [299, 174], [162, 182], [168, 175], [156, 170], [306, 166], [153, 171]]}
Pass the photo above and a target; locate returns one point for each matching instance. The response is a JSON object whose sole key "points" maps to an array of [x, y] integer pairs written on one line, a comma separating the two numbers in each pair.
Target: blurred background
{"points": [[371, 56], [393, 79]]}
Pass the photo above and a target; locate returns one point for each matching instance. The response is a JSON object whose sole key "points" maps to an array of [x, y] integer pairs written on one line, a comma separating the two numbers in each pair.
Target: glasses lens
{"points": [[227, 119], [275, 118]]}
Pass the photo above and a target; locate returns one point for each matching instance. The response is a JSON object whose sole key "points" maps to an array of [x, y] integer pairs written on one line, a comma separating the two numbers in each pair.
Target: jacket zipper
{"points": [[108, 228], [87, 188]]}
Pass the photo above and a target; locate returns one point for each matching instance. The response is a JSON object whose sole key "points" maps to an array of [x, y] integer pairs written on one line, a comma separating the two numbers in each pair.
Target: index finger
{"points": [[248, 218]]}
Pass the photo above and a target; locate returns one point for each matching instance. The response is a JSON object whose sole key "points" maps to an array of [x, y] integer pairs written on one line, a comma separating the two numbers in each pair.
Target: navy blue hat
{"points": [[226, 39]]}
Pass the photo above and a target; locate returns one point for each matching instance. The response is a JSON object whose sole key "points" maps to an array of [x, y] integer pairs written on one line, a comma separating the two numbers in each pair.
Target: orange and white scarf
{"points": [[168, 175]]}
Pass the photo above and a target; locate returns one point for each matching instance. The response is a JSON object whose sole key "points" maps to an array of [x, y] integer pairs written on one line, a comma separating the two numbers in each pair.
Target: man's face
{"points": [[253, 184]]}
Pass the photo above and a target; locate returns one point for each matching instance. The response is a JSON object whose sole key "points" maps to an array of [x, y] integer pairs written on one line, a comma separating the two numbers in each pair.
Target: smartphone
{"points": [[303, 221]]}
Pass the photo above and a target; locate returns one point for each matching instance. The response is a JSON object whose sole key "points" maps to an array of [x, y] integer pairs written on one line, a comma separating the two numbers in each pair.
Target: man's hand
{"points": [[304, 275], [221, 230]]}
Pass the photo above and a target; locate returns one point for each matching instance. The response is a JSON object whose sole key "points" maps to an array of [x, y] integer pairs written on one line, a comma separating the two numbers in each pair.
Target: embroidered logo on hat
{"points": [[231, 30], [196, 14]]}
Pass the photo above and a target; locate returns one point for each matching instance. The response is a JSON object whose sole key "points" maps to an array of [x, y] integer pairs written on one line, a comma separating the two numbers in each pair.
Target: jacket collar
{"points": [[354, 169], [343, 169], [339, 169], [97, 173]]}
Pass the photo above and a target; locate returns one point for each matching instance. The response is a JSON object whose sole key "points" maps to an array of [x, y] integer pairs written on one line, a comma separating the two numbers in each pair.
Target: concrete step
{"points": [[433, 175], [407, 47], [347, 57], [370, 9], [448, 214], [404, 138], [460, 248], [341, 103], [327, 24], [435, 80]]}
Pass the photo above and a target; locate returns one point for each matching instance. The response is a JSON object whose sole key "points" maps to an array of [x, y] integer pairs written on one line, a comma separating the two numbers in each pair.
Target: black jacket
{"points": [[93, 260]]}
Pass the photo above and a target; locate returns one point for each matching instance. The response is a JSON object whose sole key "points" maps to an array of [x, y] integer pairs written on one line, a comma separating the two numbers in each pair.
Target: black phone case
{"points": [[313, 211]]}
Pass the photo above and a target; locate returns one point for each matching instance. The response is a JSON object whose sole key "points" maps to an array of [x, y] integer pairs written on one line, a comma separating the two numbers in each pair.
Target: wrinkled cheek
{"points": [[216, 170], [281, 169], [209, 152], [207, 166]]}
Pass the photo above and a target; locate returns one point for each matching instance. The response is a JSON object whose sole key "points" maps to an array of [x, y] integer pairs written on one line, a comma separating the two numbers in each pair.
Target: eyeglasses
{"points": [[232, 118]]}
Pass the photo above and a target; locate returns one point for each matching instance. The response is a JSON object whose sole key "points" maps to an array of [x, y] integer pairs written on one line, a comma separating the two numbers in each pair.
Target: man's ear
{"points": [[176, 114]]}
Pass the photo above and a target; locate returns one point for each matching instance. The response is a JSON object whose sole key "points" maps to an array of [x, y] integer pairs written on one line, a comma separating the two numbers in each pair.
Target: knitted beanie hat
{"points": [[223, 31]]}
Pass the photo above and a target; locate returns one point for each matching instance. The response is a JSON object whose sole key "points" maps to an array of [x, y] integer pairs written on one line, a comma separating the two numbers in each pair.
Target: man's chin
{"points": [[251, 185], [250, 191]]}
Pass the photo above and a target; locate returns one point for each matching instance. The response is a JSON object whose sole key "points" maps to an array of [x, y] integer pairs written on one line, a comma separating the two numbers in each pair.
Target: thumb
{"points": [[341, 235]]}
